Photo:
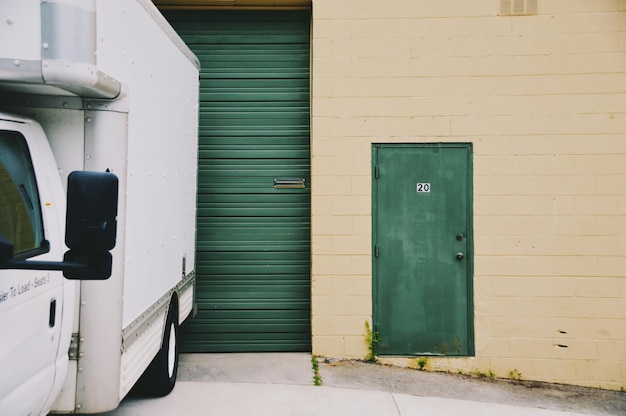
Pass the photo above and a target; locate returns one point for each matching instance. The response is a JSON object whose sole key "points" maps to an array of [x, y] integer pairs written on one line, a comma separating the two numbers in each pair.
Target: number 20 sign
{"points": [[423, 187]]}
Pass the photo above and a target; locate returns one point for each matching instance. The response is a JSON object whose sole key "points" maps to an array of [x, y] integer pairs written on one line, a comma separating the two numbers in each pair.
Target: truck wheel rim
{"points": [[171, 353]]}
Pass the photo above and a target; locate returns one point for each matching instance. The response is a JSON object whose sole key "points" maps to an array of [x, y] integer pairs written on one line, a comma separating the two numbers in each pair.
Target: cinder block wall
{"points": [[542, 97]]}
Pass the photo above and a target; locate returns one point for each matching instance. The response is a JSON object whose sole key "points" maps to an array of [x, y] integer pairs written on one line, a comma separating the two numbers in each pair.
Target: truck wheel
{"points": [[160, 376]]}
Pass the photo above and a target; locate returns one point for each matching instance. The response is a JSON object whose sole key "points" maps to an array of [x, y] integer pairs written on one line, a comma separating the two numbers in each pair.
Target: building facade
{"points": [[466, 183]]}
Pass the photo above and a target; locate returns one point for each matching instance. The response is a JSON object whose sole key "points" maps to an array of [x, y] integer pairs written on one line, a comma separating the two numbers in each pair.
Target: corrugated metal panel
{"points": [[253, 243]]}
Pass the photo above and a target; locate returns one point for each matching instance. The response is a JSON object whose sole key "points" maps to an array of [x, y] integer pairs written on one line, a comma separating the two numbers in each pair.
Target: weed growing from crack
{"points": [[371, 339], [422, 362], [317, 378], [515, 375]]}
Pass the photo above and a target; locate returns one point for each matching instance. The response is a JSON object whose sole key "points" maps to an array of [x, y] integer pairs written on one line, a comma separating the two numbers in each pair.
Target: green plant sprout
{"points": [[317, 378], [515, 375], [422, 362], [371, 339]]}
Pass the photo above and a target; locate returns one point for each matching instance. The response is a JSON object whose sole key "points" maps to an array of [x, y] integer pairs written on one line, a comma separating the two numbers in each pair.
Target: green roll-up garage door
{"points": [[253, 238]]}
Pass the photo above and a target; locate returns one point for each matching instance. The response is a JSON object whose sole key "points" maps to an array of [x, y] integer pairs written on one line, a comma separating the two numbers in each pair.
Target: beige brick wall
{"points": [[542, 97]]}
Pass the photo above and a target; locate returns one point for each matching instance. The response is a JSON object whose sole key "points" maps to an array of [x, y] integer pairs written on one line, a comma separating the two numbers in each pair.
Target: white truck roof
{"points": [[56, 47]]}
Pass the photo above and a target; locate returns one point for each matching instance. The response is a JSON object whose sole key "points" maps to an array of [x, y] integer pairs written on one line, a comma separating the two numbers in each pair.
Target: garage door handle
{"points": [[459, 256], [289, 183]]}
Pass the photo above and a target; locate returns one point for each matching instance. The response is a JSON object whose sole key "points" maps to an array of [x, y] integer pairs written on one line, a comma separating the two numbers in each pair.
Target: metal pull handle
{"points": [[289, 183], [459, 255], [52, 318]]}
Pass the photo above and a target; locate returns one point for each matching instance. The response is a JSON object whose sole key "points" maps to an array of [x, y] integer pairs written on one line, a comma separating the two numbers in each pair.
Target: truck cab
{"points": [[31, 301], [36, 300]]}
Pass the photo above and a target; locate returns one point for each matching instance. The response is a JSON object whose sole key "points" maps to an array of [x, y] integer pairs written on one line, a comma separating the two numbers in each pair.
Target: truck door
{"points": [[30, 300]]}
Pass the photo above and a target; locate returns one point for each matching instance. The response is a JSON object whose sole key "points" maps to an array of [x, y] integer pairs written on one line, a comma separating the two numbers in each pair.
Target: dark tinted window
{"points": [[20, 210]]}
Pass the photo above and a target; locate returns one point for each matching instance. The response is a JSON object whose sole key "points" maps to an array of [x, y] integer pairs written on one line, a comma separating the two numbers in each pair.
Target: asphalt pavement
{"points": [[283, 384]]}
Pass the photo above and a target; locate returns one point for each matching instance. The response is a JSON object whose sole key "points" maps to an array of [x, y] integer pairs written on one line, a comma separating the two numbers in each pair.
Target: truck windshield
{"points": [[20, 211]]}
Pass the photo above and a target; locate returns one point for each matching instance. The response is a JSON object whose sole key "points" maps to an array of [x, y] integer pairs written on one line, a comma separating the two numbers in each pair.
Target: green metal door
{"points": [[253, 227], [423, 249]]}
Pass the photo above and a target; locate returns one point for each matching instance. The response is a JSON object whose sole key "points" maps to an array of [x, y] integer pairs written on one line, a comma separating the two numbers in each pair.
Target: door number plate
{"points": [[423, 187]]}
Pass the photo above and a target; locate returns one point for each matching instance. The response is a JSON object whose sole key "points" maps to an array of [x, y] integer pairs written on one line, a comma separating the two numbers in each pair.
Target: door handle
{"points": [[52, 318], [459, 255], [291, 183]]}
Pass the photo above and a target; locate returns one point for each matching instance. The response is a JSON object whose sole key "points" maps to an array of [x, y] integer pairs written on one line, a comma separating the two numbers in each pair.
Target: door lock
{"points": [[459, 255]]}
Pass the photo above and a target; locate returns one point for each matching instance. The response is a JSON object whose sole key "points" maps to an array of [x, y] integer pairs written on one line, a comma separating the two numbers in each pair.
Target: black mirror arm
{"points": [[43, 265]]}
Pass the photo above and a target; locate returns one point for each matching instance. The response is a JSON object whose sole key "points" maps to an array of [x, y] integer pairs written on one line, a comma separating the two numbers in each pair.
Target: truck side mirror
{"points": [[91, 224], [90, 231], [91, 221]]}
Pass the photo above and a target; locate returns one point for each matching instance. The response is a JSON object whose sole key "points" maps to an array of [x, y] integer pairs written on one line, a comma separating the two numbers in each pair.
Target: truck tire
{"points": [[159, 378]]}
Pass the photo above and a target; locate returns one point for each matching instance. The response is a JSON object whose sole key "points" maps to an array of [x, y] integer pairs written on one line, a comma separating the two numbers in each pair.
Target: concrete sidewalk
{"points": [[213, 398], [282, 384]]}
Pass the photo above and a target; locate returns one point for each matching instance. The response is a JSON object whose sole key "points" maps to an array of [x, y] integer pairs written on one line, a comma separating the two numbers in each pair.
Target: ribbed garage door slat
{"points": [[253, 241]]}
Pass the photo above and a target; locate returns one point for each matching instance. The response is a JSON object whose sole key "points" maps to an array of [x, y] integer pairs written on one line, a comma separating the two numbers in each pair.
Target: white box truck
{"points": [[98, 98]]}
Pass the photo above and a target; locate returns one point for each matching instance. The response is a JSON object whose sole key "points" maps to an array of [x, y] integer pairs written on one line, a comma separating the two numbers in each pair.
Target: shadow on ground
{"points": [[364, 375]]}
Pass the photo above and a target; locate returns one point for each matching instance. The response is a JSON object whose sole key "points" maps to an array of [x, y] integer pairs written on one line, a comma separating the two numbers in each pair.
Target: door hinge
{"points": [[376, 172], [73, 352], [376, 250]]}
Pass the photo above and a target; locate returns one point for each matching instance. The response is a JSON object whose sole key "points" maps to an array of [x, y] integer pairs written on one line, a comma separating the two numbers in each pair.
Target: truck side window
{"points": [[20, 211]]}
